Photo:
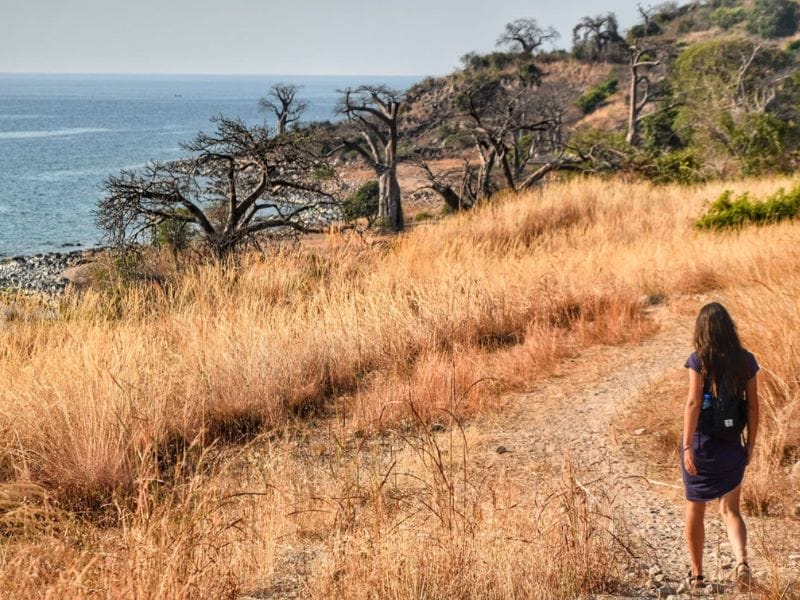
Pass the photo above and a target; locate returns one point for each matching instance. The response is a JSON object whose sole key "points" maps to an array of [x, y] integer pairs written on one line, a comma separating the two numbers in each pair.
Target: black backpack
{"points": [[725, 417]]}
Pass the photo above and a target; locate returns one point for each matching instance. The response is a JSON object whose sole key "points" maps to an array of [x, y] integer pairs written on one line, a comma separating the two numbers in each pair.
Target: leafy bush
{"points": [[682, 166], [608, 152], [324, 172], [602, 150], [530, 74], [363, 204], [492, 61], [592, 99], [725, 17], [773, 18], [762, 143], [658, 128], [174, 234], [724, 112], [728, 212], [640, 30]]}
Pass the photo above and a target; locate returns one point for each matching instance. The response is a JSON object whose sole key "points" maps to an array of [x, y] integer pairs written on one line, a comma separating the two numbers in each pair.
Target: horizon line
{"points": [[199, 74]]}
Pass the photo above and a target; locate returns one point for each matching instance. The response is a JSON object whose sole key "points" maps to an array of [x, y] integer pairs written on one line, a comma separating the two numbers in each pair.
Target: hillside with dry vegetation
{"points": [[327, 420]]}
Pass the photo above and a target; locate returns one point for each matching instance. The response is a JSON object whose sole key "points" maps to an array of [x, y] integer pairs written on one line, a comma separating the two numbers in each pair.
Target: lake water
{"points": [[62, 135]]}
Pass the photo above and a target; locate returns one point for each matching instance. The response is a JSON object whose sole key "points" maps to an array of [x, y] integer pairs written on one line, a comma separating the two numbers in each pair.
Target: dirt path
{"points": [[577, 424], [571, 416]]}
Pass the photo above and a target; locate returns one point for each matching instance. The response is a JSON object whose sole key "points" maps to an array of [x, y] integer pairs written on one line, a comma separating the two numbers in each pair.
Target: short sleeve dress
{"points": [[720, 463]]}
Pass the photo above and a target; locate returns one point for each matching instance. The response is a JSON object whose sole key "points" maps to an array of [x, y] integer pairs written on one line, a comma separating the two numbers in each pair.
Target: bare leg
{"points": [[737, 533], [695, 534]]}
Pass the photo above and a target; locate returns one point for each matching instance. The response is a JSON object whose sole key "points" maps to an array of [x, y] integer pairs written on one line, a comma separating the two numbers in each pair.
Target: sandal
{"points": [[744, 578], [695, 582]]}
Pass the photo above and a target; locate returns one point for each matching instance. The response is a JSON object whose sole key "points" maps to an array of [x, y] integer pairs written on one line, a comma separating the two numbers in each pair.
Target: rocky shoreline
{"points": [[41, 273]]}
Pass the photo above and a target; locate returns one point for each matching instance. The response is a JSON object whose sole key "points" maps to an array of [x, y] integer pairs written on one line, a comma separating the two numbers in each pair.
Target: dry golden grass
{"points": [[108, 411]]}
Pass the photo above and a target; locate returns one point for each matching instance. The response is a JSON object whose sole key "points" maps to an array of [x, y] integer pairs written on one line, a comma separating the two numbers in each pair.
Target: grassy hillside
{"points": [[180, 440]]}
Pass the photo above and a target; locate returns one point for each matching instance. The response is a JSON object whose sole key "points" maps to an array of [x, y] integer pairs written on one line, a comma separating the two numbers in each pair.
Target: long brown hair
{"points": [[719, 350]]}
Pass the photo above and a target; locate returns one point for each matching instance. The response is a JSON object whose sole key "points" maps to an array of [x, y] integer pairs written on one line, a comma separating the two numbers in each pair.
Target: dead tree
{"points": [[457, 187], [526, 36], [506, 128], [373, 113], [239, 182], [640, 90], [282, 101]]}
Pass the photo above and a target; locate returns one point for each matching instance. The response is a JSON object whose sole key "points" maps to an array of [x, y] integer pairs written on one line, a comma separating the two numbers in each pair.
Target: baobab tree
{"points": [[595, 38], [282, 101], [240, 181], [525, 35], [372, 113]]}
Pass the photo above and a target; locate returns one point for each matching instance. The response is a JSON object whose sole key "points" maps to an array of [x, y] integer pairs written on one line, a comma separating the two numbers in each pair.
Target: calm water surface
{"points": [[61, 136]]}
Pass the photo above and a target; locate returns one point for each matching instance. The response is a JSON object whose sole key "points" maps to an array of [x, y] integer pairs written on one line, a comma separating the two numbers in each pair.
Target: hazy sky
{"points": [[290, 37]]}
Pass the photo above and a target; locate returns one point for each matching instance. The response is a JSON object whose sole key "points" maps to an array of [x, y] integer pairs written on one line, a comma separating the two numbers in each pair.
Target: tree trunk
{"points": [[632, 137], [389, 204], [485, 175], [383, 195], [509, 175], [450, 197]]}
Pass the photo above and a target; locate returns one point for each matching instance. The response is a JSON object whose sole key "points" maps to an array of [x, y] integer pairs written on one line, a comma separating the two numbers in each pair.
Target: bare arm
{"points": [[751, 393], [691, 415]]}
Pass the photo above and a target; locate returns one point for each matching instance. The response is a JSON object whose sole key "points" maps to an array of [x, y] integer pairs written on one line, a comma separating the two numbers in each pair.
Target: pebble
{"points": [[665, 591], [641, 431], [40, 273], [501, 450]]}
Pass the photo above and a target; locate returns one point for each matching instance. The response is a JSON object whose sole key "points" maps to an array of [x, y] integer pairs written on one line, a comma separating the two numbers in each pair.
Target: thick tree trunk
{"points": [[389, 204], [509, 175], [450, 197], [485, 175], [283, 120], [383, 195]]}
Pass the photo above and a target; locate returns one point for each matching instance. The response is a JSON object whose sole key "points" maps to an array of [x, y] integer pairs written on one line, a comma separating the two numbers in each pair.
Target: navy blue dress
{"points": [[720, 463]]}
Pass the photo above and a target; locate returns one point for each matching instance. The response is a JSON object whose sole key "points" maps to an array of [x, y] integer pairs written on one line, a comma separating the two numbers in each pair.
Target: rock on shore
{"points": [[40, 273]]}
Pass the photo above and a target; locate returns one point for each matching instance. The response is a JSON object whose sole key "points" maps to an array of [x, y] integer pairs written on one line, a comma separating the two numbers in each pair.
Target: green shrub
{"points": [[493, 61], [641, 31], [726, 18], [363, 204], [658, 128], [530, 74], [174, 234], [727, 211], [324, 172], [681, 166], [762, 143], [773, 18], [592, 99]]}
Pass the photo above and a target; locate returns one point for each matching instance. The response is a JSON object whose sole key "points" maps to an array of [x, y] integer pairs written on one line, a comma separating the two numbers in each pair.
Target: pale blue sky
{"points": [[291, 37]]}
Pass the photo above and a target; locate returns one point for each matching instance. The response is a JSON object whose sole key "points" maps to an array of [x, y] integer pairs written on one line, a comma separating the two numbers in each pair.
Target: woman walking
{"points": [[722, 374]]}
